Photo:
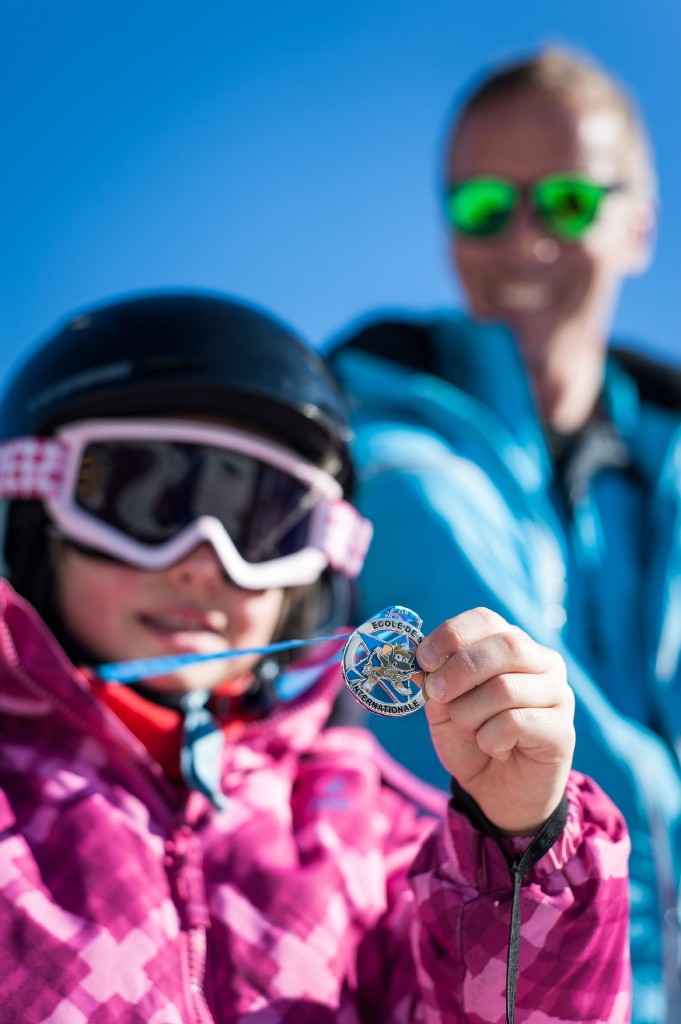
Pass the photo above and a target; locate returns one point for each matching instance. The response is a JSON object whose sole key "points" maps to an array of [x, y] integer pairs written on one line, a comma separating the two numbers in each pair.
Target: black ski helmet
{"points": [[172, 352], [182, 352]]}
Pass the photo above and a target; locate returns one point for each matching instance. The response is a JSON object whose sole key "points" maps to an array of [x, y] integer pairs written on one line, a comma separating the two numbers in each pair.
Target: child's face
{"points": [[119, 612]]}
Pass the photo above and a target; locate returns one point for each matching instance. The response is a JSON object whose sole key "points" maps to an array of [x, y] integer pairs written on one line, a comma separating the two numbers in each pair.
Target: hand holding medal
{"points": [[498, 705]]}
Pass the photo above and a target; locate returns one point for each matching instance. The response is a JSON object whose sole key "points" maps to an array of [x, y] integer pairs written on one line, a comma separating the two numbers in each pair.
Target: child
{"points": [[212, 843]]}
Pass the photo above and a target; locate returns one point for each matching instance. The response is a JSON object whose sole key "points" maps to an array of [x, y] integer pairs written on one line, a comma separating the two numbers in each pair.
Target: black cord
{"points": [[541, 843]]}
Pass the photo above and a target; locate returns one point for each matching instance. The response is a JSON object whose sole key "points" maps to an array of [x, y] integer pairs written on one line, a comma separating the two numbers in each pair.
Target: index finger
{"points": [[458, 633], [483, 646]]}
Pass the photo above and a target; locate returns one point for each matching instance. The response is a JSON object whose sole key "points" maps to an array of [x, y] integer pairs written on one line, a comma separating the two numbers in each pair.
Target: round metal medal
{"points": [[379, 663]]}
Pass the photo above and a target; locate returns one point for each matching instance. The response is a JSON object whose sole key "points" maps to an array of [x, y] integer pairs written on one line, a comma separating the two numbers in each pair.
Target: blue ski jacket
{"points": [[455, 471]]}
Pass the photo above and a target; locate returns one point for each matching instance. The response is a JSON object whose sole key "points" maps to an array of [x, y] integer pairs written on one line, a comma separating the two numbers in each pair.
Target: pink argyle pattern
{"points": [[333, 889]]}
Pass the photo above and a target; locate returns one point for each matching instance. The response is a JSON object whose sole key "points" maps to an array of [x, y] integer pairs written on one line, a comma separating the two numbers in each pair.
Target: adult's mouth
{"points": [[523, 296]]}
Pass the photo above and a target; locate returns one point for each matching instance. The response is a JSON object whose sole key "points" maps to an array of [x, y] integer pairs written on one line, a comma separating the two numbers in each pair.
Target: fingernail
{"points": [[428, 658], [436, 686]]}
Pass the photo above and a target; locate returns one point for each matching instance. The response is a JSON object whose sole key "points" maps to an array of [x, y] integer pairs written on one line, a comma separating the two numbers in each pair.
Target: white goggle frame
{"points": [[47, 468]]}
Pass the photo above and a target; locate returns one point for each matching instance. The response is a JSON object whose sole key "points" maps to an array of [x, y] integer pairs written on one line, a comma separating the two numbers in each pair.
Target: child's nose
{"points": [[200, 566]]}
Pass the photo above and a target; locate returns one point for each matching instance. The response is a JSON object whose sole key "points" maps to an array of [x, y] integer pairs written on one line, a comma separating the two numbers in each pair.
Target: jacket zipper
{"points": [[195, 949]]}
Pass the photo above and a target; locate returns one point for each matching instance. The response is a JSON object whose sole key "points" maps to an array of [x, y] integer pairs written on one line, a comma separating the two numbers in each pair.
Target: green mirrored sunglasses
{"points": [[565, 204]]}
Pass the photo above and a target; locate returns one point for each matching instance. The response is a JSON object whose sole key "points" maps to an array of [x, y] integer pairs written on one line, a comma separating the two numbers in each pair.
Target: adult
{"points": [[534, 462]]}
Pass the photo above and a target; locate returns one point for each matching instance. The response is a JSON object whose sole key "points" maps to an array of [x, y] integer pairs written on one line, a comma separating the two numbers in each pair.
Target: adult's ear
{"points": [[640, 235]]}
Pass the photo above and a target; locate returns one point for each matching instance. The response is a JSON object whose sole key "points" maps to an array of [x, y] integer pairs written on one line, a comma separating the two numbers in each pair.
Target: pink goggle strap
{"points": [[346, 538], [32, 467]]}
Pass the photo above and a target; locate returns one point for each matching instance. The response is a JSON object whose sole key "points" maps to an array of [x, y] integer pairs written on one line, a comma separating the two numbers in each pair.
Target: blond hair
{"points": [[577, 79]]}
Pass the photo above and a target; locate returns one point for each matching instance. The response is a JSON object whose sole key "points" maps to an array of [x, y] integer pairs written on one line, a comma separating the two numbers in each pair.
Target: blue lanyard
{"points": [[202, 738], [144, 668]]}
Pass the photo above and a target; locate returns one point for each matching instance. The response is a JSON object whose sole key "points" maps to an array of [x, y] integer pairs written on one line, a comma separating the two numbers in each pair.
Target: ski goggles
{"points": [[566, 205], [147, 492]]}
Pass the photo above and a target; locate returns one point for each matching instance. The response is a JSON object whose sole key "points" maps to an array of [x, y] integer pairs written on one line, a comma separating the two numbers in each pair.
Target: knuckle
{"points": [[490, 618], [555, 665], [517, 719], [516, 645], [507, 689], [469, 625], [524, 723], [454, 634], [559, 664], [464, 660], [570, 700], [506, 727]]}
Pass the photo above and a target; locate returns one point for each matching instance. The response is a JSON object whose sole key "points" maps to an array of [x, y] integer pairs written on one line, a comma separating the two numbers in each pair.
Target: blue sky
{"points": [[284, 151]]}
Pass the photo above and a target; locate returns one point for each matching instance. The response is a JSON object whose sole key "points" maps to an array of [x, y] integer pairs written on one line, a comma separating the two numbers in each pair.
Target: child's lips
{"points": [[184, 626]]}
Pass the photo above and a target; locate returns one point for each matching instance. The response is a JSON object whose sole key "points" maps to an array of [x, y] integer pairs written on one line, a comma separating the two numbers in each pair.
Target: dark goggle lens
{"points": [[152, 490], [568, 206], [481, 206]]}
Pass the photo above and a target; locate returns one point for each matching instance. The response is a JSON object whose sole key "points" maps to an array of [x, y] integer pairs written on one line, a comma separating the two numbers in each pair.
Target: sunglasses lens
{"points": [[151, 490], [481, 206], [568, 206]]}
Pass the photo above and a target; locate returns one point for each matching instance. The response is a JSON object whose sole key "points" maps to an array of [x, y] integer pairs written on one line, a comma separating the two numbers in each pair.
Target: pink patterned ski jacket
{"points": [[323, 893]]}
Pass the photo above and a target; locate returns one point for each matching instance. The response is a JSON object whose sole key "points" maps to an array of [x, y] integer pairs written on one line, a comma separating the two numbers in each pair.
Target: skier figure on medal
{"points": [[216, 841], [381, 654], [391, 664]]}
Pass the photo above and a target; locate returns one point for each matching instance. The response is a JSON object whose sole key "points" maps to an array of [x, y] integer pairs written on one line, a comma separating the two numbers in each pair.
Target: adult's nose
{"points": [[527, 241]]}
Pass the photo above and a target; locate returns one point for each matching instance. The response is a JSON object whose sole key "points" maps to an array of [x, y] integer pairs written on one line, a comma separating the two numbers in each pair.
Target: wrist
{"points": [[463, 802]]}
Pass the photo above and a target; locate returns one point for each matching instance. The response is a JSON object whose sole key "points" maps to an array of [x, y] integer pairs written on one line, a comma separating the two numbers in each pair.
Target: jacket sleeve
{"points": [[573, 951]]}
